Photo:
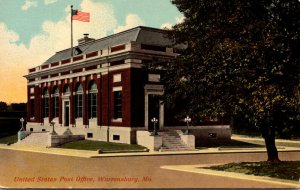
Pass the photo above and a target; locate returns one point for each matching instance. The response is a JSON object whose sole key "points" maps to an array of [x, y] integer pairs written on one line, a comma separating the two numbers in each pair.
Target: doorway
{"points": [[153, 110], [154, 107]]}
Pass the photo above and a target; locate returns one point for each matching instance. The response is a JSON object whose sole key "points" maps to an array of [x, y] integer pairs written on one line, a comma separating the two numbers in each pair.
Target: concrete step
{"points": [[173, 142], [35, 139]]}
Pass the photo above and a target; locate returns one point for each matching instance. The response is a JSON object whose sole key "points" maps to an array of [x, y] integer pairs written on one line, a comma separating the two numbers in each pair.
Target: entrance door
{"points": [[153, 110], [67, 114]]}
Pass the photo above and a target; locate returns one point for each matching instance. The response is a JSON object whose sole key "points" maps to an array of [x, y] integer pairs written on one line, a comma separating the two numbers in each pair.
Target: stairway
{"points": [[35, 139], [172, 142]]}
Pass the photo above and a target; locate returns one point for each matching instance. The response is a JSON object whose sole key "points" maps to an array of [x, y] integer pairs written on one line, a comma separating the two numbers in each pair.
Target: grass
{"points": [[289, 170], [96, 145], [232, 144], [9, 139]]}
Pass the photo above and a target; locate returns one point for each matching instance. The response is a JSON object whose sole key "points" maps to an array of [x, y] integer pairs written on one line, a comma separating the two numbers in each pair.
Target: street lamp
{"points": [[154, 121], [53, 131], [22, 124], [187, 120]]}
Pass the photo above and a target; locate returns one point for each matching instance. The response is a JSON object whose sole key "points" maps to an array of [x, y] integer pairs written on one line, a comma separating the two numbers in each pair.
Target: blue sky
{"points": [[33, 30], [28, 23]]}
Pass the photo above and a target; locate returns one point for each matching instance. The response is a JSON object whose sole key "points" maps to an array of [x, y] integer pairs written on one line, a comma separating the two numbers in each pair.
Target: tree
{"points": [[17, 107], [3, 106], [241, 57]]}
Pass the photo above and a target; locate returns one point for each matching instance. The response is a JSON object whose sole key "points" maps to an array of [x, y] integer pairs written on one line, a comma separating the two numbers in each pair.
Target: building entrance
{"points": [[154, 107], [153, 110]]}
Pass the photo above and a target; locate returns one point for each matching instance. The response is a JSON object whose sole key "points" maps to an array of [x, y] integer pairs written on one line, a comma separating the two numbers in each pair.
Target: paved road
{"points": [[26, 169]]}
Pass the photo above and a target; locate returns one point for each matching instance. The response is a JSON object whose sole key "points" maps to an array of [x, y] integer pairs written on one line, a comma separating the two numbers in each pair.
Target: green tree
{"points": [[241, 57]]}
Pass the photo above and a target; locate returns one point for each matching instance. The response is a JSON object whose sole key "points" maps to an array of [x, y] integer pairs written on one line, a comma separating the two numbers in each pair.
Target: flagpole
{"points": [[71, 30]]}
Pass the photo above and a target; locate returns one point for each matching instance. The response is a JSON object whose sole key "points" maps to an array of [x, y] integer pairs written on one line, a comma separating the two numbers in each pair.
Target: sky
{"points": [[33, 30]]}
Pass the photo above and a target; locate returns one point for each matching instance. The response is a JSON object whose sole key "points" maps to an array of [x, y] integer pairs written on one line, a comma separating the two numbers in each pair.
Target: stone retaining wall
{"points": [[56, 140]]}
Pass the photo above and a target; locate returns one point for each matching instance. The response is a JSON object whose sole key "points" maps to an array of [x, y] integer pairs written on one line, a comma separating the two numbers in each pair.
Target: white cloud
{"points": [[179, 19], [169, 25], [28, 4], [166, 25], [132, 20], [56, 35], [16, 59], [47, 2]]}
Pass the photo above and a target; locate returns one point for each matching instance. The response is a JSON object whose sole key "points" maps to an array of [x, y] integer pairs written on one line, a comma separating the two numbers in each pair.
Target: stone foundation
{"points": [[144, 138]]}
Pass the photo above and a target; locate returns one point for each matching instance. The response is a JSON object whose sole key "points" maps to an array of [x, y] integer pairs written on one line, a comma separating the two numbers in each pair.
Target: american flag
{"points": [[80, 16]]}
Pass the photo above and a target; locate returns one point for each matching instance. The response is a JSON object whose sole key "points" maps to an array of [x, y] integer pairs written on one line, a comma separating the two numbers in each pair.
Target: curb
{"points": [[121, 151], [96, 154]]}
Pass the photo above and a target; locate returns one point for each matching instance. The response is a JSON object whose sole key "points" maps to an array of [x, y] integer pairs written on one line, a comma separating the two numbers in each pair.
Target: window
{"points": [[66, 90], [116, 137], [55, 102], [78, 101], [89, 135], [93, 100], [117, 48], [117, 104], [46, 103], [32, 107]]}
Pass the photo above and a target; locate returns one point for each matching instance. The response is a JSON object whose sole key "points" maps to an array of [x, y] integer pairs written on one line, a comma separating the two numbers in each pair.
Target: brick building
{"points": [[101, 91], [102, 88]]}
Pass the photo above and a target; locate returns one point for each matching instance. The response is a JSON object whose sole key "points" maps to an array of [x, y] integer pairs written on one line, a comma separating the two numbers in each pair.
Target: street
{"points": [[26, 169]]}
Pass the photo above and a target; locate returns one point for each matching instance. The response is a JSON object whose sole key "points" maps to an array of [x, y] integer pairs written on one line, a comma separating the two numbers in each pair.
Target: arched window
{"points": [[46, 103], [55, 102], [78, 101], [66, 90], [92, 100]]}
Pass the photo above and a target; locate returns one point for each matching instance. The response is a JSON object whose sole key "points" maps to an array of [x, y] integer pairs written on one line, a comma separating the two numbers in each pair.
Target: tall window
{"points": [[32, 108], [117, 104], [78, 101], [93, 100], [46, 103], [55, 102]]}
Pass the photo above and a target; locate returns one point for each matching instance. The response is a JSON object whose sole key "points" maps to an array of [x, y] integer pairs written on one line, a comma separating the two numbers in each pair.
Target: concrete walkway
{"points": [[261, 141]]}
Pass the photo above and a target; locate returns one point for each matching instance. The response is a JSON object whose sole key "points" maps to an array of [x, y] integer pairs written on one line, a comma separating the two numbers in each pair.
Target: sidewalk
{"points": [[200, 170], [260, 140], [95, 154]]}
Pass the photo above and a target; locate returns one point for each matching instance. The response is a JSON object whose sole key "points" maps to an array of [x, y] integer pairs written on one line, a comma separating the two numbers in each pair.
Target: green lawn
{"points": [[289, 170], [9, 139], [239, 144], [231, 144], [95, 145]]}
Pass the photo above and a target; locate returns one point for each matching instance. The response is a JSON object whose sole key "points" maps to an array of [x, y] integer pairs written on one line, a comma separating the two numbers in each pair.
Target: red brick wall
{"points": [[132, 83]]}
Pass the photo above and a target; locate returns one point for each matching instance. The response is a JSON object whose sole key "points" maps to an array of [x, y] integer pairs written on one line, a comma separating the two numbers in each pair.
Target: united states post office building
{"points": [[102, 91]]}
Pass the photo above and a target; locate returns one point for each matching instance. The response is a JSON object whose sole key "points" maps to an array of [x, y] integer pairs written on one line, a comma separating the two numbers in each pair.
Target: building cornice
{"points": [[103, 71]]}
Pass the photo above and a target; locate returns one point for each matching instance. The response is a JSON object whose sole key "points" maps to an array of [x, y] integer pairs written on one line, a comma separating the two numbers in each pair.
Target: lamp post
{"points": [[187, 120], [154, 121], [53, 131], [22, 124]]}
